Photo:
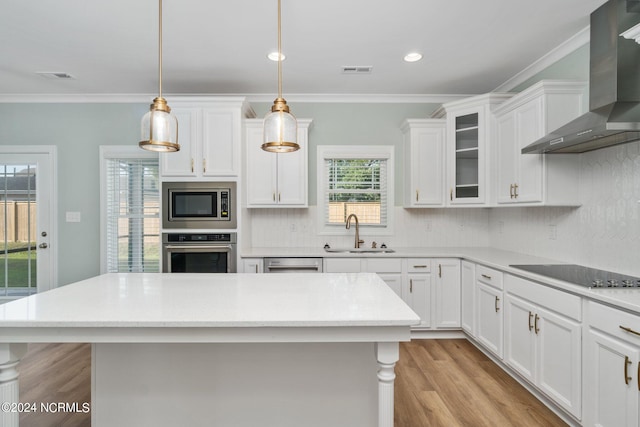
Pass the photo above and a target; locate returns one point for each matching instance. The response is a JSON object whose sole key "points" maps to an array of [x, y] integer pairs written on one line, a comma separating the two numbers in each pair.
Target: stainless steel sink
{"points": [[360, 250]]}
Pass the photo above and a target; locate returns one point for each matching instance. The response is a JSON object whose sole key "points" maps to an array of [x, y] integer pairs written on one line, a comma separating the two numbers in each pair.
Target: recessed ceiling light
{"points": [[413, 57], [274, 56]]}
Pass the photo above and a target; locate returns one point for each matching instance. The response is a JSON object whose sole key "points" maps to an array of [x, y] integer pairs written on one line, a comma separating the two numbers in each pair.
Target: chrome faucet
{"points": [[358, 241]]}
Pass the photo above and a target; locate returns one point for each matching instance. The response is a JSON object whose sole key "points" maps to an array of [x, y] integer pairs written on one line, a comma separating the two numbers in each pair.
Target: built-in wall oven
{"points": [[199, 252], [199, 205]]}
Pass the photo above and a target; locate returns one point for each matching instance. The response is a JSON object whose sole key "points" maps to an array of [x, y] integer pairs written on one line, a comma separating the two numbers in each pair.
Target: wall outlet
{"points": [[553, 232]]}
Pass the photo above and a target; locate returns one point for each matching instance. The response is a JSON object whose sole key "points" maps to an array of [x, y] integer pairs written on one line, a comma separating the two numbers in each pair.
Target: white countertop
{"points": [[628, 299], [213, 300]]}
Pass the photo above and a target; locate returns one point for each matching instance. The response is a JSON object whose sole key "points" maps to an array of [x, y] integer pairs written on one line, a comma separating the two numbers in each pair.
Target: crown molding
{"points": [[118, 98], [581, 38]]}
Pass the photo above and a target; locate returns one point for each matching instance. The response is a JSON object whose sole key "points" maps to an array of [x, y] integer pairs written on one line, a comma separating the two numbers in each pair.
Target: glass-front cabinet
{"points": [[469, 130]]}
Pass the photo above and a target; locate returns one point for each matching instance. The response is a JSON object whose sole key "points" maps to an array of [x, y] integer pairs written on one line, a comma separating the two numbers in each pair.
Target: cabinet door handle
{"points": [[627, 362], [511, 191], [439, 270], [515, 191], [535, 324], [192, 165], [530, 325], [256, 268], [497, 308], [204, 165], [417, 192], [638, 376], [486, 276], [274, 196], [631, 331], [451, 194], [279, 196], [411, 285]]}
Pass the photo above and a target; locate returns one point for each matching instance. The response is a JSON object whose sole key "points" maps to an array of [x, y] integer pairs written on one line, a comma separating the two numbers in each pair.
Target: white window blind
{"points": [[132, 215], [356, 186]]}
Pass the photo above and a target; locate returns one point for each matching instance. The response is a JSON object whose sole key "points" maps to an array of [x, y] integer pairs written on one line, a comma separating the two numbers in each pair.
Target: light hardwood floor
{"points": [[439, 383]]}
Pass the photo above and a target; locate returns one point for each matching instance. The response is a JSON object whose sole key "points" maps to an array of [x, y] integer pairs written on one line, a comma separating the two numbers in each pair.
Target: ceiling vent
{"points": [[55, 75], [357, 69]]}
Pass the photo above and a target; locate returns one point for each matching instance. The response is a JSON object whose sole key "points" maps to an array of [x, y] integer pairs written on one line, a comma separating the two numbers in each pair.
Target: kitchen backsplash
{"points": [[296, 228], [603, 233]]}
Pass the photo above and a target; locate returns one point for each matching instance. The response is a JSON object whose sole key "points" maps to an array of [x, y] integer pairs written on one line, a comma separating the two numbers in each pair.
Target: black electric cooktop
{"points": [[583, 276]]}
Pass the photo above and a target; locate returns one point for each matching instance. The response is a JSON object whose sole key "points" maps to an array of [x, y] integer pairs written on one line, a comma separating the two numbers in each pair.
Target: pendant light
{"points": [[280, 126], [159, 126]]}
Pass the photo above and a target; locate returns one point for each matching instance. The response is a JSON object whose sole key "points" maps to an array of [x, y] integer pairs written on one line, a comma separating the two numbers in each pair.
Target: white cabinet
{"points": [[489, 304], [252, 265], [276, 179], [419, 295], [528, 116], [342, 265], [469, 131], [612, 367], [447, 292], [210, 135], [468, 297], [424, 144], [389, 270], [543, 339]]}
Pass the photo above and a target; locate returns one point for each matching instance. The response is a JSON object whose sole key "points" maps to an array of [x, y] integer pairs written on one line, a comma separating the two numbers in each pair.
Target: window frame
{"points": [[108, 152], [382, 152]]}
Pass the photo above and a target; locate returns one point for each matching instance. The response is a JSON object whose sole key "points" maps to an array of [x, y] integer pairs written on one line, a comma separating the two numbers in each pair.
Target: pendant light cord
{"points": [[279, 52], [160, 48]]}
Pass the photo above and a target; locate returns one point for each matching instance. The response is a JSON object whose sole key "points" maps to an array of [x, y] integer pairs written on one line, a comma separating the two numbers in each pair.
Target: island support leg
{"points": [[10, 355], [387, 354]]}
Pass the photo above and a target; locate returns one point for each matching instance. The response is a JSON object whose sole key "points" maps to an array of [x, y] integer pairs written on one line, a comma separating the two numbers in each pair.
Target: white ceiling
{"points": [[220, 47]]}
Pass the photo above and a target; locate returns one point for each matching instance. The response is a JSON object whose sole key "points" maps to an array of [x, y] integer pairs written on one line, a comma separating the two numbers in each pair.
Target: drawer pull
{"points": [[535, 324], [530, 325], [486, 276], [497, 308], [419, 266], [627, 362], [631, 331]]}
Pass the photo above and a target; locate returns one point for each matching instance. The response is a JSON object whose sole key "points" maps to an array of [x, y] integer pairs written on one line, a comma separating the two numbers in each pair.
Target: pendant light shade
{"points": [[159, 126], [280, 126]]}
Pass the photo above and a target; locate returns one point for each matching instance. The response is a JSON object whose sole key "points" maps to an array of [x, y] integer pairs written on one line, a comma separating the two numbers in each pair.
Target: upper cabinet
{"points": [[210, 135], [469, 130], [536, 179], [424, 144], [276, 180]]}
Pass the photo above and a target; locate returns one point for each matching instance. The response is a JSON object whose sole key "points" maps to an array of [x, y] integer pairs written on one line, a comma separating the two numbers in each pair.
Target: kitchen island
{"points": [[233, 349]]}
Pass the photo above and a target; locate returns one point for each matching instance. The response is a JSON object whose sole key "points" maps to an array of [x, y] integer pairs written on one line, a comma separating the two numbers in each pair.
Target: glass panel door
{"points": [[18, 210], [467, 178], [25, 192]]}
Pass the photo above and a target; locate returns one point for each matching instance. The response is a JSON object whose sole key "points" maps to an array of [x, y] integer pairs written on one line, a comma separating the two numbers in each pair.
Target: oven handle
{"points": [[199, 248]]}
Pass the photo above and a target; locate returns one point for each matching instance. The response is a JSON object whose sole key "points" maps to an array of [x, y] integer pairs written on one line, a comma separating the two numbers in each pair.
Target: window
{"points": [[130, 210], [355, 180]]}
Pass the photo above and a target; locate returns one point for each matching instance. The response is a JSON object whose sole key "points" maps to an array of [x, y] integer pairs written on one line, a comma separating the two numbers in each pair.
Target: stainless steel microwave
{"points": [[198, 205]]}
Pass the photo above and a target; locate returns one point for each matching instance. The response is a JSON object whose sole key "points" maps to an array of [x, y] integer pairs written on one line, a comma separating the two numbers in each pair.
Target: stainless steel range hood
{"points": [[614, 87]]}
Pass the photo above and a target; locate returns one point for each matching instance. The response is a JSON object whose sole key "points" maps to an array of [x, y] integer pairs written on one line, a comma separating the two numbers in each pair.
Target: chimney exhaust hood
{"points": [[614, 87]]}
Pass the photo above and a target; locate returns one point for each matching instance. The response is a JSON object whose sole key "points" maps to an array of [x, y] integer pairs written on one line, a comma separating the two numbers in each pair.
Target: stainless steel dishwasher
{"points": [[293, 265]]}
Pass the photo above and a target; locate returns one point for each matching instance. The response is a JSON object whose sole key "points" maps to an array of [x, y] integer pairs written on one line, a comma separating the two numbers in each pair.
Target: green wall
{"points": [[574, 66], [77, 130]]}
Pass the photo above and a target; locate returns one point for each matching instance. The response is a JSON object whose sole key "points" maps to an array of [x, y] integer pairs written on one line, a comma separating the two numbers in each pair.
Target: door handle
{"points": [[511, 191], [411, 285], [530, 325], [535, 324], [497, 308], [627, 362], [43, 246]]}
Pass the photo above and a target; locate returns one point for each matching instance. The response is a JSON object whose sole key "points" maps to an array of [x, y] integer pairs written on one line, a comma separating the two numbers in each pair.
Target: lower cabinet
{"points": [[612, 367], [419, 295], [543, 340], [468, 297], [446, 293], [252, 265], [490, 319]]}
